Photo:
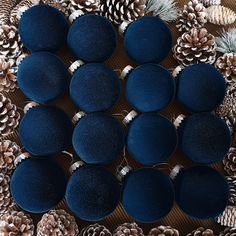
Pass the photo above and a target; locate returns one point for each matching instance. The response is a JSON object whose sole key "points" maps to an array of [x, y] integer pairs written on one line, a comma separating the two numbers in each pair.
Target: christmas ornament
{"points": [[94, 87], [200, 146], [86, 6], [228, 217], [220, 15], [163, 231], [43, 77], [228, 232], [41, 180], [43, 28], [147, 195], [201, 231], [92, 192], [57, 222], [147, 39], [130, 229], [98, 138], [7, 76], [193, 15], [200, 93], [195, 46], [208, 3], [95, 230], [54, 131], [118, 11], [201, 192], [5, 8], [16, 223], [232, 189], [9, 116], [151, 139], [149, 87], [230, 162]]}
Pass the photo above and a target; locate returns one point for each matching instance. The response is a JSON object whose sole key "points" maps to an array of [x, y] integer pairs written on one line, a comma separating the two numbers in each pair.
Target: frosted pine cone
{"points": [[5, 9], [163, 231], [193, 16], [57, 223], [84, 5], [95, 230], [195, 46], [228, 217], [230, 162], [228, 232], [201, 232], [16, 223], [232, 189], [128, 229], [208, 3]]}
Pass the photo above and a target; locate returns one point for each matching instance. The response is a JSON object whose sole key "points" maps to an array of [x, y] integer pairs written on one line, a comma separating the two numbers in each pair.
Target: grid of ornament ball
{"points": [[131, 229], [95, 230], [201, 232]]}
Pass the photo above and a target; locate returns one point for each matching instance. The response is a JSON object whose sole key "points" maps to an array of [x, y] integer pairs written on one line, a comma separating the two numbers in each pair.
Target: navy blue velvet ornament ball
{"points": [[98, 138], [38, 185], [42, 77], [201, 192], [92, 193], [148, 195], [204, 138], [43, 28], [150, 88], [151, 139], [45, 130], [200, 88], [92, 38], [95, 87], [148, 39]]}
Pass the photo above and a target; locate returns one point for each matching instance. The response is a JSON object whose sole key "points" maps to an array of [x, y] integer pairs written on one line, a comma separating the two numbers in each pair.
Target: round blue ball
{"points": [[42, 77], [148, 195], [200, 88], [150, 88], [201, 192], [38, 185], [92, 193], [43, 28], [92, 38], [98, 138], [148, 39], [204, 138], [45, 130], [151, 139], [95, 87]]}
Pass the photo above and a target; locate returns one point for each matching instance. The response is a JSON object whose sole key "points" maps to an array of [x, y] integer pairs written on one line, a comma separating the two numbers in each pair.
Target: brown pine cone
{"points": [[195, 46], [228, 232], [232, 189], [9, 116], [201, 232], [163, 231], [208, 3], [118, 11], [95, 230], [57, 223], [193, 16], [16, 223], [5, 10], [230, 162], [84, 6], [228, 217], [128, 229]]}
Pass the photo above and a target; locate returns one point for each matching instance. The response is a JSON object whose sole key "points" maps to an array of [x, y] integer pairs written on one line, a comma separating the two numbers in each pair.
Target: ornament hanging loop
{"points": [[163, 166]]}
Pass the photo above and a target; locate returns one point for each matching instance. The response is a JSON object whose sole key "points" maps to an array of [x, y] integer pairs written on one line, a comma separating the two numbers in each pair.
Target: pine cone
{"points": [[118, 11], [208, 3], [6, 201], [230, 162], [62, 5], [195, 46], [9, 116], [201, 232], [228, 217], [16, 223], [163, 231], [84, 6], [57, 223], [128, 229], [95, 230], [228, 232], [232, 189], [193, 16], [5, 9], [10, 45]]}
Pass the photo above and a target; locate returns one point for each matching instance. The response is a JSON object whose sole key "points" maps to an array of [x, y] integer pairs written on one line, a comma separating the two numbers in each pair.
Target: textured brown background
{"points": [[118, 61]]}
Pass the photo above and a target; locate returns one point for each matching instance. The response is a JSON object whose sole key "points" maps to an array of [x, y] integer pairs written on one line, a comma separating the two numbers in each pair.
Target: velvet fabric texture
{"points": [[42, 77], [45, 130], [98, 138], [201, 192], [204, 138], [92, 38], [151, 139], [148, 195], [92, 193], [200, 88], [38, 185], [149, 88], [43, 28], [148, 39], [95, 87]]}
